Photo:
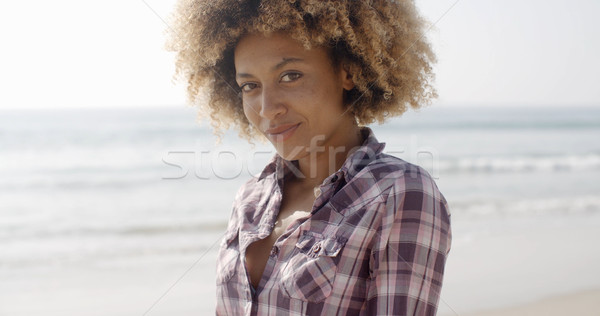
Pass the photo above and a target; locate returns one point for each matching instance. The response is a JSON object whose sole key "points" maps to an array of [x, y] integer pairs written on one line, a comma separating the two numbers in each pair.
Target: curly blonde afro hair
{"points": [[380, 42]]}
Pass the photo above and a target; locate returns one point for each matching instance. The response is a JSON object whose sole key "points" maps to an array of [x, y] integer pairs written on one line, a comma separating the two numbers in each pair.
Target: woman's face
{"points": [[292, 95]]}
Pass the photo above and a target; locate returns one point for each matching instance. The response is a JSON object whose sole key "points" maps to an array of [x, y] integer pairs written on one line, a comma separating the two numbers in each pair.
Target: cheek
{"points": [[313, 96], [328, 104], [327, 94]]}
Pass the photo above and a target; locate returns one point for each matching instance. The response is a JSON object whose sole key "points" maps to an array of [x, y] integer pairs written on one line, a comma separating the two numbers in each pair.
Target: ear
{"points": [[347, 82]]}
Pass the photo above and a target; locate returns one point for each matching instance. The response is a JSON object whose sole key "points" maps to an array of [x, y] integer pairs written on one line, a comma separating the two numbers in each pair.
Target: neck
{"points": [[326, 158]]}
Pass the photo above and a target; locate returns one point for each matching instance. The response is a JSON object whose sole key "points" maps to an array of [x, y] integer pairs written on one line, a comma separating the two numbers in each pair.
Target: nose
{"points": [[271, 103]]}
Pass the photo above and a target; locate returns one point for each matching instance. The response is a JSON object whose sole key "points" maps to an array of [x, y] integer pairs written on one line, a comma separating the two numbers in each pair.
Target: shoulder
{"points": [[393, 175], [395, 180], [410, 198]]}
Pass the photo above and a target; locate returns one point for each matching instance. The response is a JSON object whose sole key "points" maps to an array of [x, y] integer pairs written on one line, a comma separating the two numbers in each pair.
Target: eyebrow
{"points": [[278, 66]]}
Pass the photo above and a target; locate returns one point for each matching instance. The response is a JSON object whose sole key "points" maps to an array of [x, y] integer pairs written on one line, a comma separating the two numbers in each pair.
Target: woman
{"points": [[332, 226]]}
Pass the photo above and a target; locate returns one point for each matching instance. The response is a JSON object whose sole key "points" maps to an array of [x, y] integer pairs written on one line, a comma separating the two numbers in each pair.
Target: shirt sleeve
{"points": [[410, 251]]}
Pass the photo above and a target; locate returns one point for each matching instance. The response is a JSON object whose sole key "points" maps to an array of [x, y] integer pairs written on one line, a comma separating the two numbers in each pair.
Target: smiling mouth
{"points": [[282, 132]]}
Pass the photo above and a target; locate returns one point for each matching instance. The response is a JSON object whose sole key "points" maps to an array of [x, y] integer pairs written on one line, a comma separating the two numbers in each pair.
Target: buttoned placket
{"points": [[327, 190], [260, 230]]}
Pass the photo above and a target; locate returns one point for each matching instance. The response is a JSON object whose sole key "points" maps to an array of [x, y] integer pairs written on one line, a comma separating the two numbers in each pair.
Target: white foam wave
{"points": [[521, 164], [544, 207]]}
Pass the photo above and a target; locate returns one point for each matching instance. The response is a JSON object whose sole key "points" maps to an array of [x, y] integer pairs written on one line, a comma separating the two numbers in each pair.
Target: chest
{"points": [[294, 208]]}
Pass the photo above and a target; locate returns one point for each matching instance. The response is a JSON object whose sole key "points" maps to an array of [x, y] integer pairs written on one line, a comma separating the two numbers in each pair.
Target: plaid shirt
{"points": [[375, 243]]}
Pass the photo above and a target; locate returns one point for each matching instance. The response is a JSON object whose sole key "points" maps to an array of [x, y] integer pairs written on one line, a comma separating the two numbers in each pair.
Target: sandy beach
{"points": [[580, 304], [528, 267]]}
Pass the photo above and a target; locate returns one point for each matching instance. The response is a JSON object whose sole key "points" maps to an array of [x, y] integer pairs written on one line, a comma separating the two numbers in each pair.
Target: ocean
{"points": [[91, 196]]}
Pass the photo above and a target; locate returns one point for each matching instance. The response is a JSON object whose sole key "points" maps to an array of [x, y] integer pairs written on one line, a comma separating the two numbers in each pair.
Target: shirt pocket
{"points": [[228, 257], [310, 273]]}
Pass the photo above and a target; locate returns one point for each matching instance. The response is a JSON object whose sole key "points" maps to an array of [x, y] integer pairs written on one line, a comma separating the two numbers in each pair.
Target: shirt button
{"points": [[317, 248], [317, 192], [274, 251]]}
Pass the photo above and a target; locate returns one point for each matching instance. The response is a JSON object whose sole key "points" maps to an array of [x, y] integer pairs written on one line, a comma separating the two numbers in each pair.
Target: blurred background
{"points": [[113, 197]]}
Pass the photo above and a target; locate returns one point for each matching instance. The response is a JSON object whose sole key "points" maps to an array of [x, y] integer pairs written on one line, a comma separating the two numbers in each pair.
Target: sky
{"points": [[80, 54]]}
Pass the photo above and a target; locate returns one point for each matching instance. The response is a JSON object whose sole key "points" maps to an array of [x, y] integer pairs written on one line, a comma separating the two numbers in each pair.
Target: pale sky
{"points": [[74, 53]]}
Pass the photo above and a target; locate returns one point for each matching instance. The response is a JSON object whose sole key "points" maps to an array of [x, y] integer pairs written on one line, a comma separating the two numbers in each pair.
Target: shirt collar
{"points": [[279, 167], [363, 155], [356, 161]]}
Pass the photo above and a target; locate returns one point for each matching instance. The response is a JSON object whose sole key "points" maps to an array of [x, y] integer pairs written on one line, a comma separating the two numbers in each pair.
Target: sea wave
{"points": [[551, 163], [42, 245], [136, 176], [151, 229], [543, 207]]}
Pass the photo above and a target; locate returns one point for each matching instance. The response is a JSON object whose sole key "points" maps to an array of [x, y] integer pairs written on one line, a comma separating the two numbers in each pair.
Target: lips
{"points": [[281, 132]]}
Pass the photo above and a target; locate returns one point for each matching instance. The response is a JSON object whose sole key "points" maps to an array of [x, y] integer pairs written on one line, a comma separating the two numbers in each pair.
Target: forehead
{"points": [[254, 50], [266, 43]]}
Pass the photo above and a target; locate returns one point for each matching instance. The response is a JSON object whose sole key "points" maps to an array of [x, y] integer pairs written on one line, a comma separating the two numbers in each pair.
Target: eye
{"points": [[247, 87], [292, 76]]}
